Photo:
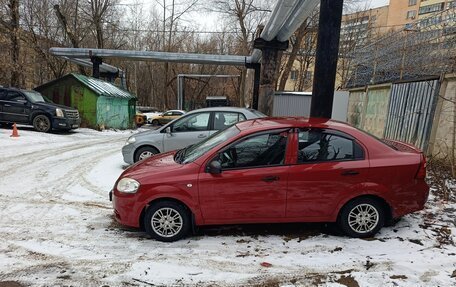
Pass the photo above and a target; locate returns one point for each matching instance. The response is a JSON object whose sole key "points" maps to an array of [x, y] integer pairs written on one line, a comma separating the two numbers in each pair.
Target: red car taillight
{"points": [[421, 174]]}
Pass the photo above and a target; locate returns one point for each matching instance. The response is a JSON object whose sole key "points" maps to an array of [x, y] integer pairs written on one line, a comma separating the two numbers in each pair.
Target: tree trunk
{"points": [[73, 38], [16, 74], [300, 33]]}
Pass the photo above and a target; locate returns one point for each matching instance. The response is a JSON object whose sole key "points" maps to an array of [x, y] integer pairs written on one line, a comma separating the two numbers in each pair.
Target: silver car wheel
{"points": [[166, 222], [145, 154], [363, 218]]}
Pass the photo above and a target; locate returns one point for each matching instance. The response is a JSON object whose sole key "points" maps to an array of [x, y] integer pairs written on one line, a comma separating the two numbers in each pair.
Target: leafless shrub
{"points": [[440, 179]]}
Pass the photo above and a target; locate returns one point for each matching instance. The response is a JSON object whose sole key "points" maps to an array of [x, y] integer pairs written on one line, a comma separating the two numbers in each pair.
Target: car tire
{"points": [[42, 123], [145, 152], [167, 221], [155, 123], [362, 217]]}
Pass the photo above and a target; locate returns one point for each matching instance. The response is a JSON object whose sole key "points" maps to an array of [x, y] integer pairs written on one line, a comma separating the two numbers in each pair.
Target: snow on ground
{"points": [[57, 229]]}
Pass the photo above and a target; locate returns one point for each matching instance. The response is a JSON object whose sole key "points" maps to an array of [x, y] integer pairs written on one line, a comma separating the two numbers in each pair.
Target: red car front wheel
{"points": [[167, 221]]}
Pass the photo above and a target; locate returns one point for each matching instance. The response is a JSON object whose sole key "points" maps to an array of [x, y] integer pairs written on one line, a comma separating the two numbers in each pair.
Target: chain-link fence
{"points": [[425, 48]]}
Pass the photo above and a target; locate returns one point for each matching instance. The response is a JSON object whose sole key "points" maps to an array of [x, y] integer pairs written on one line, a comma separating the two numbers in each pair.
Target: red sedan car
{"points": [[274, 170]]}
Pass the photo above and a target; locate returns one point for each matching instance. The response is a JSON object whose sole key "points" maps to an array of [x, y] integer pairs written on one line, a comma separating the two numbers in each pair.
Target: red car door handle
{"points": [[350, 172], [270, 178]]}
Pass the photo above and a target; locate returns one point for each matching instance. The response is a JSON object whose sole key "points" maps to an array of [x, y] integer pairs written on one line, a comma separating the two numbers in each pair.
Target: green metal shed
{"points": [[101, 104]]}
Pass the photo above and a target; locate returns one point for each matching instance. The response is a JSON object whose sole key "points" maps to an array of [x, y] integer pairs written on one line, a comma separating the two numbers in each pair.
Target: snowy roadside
{"points": [[57, 229]]}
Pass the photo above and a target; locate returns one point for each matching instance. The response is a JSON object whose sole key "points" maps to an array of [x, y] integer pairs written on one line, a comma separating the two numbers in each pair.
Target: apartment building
{"points": [[364, 24], [404, 12], [360, 27]]}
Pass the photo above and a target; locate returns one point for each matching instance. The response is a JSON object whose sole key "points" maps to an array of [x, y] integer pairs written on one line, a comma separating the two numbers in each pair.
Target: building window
{"points": [[431, 8], [412, 2], [411, 14], [452, 4], [294, 75]]}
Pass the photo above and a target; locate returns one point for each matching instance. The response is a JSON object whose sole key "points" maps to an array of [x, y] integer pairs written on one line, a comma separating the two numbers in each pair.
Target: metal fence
{"points": [[411, 112]]}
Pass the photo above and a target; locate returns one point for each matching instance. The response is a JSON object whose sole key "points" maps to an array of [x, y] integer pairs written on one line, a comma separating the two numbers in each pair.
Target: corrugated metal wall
{"points": [[356, 102], [287, 104], [376, 109], [411, 111], [298, 104], [86, 102], [113, 113]]}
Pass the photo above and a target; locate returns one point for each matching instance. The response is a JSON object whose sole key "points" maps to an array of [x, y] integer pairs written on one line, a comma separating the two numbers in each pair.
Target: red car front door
{"points": [[243, 195], [330, 166], [252, 186]]}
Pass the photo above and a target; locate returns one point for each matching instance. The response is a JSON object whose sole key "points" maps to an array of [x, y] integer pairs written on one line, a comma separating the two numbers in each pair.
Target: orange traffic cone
{"points": [[15, 134]]}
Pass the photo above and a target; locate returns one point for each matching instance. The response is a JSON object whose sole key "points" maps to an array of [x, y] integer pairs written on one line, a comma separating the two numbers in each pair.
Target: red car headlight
{"points": [[127, 185]]}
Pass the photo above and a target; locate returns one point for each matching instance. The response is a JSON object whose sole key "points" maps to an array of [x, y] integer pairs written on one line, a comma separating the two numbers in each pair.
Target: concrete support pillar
{"points": [[270, 64]]}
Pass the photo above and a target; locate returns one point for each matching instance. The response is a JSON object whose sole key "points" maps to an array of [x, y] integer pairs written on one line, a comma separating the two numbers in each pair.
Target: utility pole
{"points": [[326, 58]]}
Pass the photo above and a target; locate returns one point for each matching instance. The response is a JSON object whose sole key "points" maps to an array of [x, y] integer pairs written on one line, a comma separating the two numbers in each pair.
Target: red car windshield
{"points": [[195, 151]]}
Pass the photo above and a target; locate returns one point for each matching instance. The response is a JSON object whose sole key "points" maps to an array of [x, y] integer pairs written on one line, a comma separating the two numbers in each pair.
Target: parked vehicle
{"points": [[140, 119], [165, 117], [32, 108], [189, 129], [274, 170], [150, 113]]}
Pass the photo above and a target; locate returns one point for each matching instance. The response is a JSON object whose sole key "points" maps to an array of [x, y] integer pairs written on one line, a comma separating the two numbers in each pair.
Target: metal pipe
{"points": [[150, 55], [207, 76], [282, 11], [285, 19], [299, 14], [87, 63]]}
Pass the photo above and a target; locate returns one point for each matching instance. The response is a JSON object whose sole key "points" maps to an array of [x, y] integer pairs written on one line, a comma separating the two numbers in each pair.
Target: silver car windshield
{"points": [[195, 151]]}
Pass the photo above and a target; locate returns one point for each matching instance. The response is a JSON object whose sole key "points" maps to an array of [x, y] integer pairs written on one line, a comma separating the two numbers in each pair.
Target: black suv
{"points": [[30, 107]]}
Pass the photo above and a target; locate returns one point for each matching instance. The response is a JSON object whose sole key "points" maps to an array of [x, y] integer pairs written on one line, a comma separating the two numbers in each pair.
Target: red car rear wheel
{"points": [[362, 217]]}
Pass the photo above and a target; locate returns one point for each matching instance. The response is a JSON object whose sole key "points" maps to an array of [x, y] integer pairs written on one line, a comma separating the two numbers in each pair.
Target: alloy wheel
{"points": [[42, 124], [166, 222], [363, 218]]}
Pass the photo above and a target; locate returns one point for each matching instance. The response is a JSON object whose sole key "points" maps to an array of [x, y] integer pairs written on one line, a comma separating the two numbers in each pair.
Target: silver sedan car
{"points": [[189, 129]]}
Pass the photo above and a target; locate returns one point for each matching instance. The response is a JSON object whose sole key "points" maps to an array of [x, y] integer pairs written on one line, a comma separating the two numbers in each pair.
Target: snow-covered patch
{"points": [[57, 229]]}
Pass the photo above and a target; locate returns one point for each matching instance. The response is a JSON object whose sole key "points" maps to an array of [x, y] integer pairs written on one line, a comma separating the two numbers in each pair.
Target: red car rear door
{"points": [[330, 165]]}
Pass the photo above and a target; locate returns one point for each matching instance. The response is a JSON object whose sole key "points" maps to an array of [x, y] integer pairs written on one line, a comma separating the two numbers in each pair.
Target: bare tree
{"points": [[96, 12], [303, 44], [40, 34], [243, 16], [13, 30], [173, 11]]}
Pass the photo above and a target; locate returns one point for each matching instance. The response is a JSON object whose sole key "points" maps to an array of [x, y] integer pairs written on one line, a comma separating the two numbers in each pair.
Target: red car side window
{"points": [[317, 145], [259, 150]]}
